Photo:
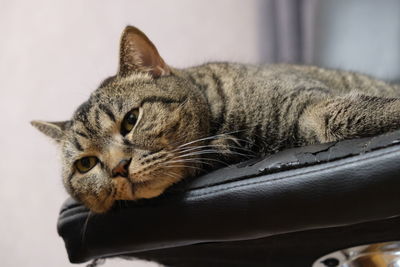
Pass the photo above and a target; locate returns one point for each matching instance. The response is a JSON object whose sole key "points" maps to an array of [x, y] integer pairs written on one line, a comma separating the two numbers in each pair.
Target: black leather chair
{"points": [[284, 210]]}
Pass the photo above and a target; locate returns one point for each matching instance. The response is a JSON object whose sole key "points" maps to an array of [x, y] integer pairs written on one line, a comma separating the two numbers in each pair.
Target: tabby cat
{"points": [[151, 125]]}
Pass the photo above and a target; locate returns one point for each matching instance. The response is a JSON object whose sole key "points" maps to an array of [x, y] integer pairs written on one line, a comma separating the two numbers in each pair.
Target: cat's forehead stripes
{"points": [[77, 144], [82, 112], [164, 100], [108, 111], [82, 134], [93, 116], [95, 121]]}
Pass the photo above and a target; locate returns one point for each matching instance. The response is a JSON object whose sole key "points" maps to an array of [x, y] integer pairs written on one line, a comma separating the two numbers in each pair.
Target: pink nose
{"points": [[122, 169]]}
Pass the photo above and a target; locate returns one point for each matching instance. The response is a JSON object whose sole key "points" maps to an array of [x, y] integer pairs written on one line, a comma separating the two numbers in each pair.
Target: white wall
{"points": [[52, 55]]}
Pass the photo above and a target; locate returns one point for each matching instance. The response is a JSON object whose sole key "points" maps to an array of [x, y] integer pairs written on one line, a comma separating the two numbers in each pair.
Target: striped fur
{"points": [[195, 119]]}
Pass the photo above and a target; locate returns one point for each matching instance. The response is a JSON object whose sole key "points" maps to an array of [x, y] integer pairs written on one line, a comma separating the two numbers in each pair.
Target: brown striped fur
{"points": [[196, 118]]}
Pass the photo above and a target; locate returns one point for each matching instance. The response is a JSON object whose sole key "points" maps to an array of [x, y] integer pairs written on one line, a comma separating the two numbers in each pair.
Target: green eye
{"points": [[129, 121], [86, 164]]}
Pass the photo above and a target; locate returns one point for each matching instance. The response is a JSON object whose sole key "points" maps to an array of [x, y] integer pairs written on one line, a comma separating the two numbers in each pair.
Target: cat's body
{"points": [[268, 105], [151, 125]]}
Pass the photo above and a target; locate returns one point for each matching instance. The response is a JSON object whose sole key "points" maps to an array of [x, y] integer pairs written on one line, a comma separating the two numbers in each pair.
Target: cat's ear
{"points": [[138, 53], [55, 130]]}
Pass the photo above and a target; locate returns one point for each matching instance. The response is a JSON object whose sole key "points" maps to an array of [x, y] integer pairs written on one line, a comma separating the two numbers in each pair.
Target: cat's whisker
{"points": [[180, 150], [183, 166], [210, 137], [221, 136], [187, 161], [183, 103], [211, 151], [201, 160], [196, 148], [198, 140], [200, 152], [85, 227], [174, 172], [176, 176]]}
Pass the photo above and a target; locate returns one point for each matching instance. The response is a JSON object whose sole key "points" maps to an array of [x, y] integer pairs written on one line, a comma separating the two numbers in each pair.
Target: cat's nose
{"points": [[122, 168]]}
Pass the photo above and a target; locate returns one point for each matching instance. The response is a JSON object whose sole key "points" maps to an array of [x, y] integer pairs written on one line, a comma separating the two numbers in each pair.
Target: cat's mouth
{"points": [[99, 203], [134, 187], [123, 189], [130, 189]]}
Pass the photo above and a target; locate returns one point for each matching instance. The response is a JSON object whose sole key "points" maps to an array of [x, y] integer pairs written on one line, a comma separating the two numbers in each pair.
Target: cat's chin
{"points": [[148, 190], [99, 204], [126, 190], [123, 189], [101, 208]]}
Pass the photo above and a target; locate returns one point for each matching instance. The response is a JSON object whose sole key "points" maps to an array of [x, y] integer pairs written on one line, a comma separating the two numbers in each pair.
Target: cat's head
{"points": [[130, 139]]}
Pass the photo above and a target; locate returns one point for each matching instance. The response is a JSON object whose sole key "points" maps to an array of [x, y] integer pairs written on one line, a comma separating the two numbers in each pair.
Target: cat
{"points": [[152, 125]]}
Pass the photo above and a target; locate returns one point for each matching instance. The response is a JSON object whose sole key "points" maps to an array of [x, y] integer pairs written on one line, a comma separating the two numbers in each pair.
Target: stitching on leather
{"points": [[286, 177]]}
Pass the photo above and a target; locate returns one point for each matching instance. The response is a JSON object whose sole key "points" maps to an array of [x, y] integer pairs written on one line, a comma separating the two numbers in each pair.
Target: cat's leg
{"points": [[349, 116]]}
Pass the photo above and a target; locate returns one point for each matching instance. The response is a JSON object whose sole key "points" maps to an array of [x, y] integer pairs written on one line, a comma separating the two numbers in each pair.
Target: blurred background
{"points": [[53, 54]]}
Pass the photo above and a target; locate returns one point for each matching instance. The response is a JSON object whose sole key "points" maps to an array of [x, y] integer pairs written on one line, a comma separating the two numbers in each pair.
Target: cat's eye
{"points": [[86, 164], [129, 121]]}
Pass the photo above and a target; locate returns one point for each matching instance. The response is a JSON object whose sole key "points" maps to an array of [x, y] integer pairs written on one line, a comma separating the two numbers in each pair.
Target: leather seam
{"points": [[288, 176]]}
